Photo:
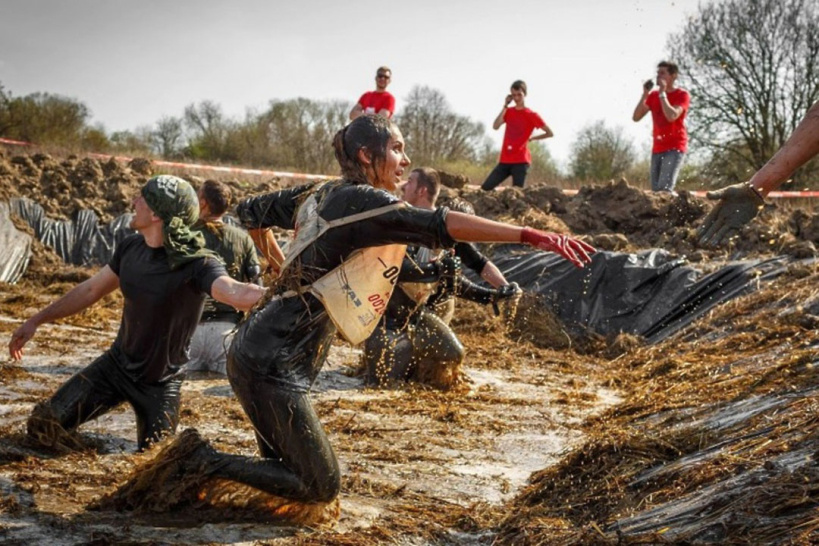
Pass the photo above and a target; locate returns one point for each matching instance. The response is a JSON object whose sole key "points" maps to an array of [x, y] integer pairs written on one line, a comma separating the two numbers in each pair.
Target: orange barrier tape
{"points": [[301, 176]]}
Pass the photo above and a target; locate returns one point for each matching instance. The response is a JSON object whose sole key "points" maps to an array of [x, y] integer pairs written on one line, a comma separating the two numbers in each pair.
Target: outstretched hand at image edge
{"points": [[738, 205]]}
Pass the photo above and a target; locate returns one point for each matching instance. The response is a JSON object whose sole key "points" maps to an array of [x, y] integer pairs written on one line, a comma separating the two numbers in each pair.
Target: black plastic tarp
{"points": [[15, 248], [80, 241], [649, 293]]}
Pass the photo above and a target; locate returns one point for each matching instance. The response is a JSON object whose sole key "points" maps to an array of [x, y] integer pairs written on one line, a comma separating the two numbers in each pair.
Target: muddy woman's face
{"points": [[389, 172]]}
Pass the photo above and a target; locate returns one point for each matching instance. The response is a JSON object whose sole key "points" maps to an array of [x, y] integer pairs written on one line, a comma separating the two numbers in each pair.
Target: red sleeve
{"points": [[363, 99], [391, 104], [537, 121]]}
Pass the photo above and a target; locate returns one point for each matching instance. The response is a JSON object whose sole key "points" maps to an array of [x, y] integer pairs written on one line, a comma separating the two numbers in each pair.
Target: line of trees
{"points": [[752, 67]]}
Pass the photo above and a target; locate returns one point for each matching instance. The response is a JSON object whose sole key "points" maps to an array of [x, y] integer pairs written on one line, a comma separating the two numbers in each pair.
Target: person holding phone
{"points": [[521, 122], [668, 105]]}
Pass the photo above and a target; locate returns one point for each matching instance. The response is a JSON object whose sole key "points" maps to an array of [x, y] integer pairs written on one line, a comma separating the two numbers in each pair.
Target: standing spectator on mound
{"points": [[740, 203], [163, 272], [237, 250], [521, 122], [668, 106], [380, 101]]}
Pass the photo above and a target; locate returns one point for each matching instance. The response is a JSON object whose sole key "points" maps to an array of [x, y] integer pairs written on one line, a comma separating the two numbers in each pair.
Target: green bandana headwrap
{"points": [[174, 201]]}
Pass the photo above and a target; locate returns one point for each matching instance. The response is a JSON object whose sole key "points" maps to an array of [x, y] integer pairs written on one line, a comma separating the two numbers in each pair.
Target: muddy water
{"points": [[397, 447]]}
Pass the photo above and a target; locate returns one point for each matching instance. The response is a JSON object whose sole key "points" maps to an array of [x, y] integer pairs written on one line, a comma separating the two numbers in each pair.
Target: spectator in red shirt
{"points": [[668, 106], [520, 123], [380, 101]]}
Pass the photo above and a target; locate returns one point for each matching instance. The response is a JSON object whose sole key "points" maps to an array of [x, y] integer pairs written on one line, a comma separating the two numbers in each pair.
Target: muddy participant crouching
{"points": [[164, 272], [412, 342], [340, 271]]}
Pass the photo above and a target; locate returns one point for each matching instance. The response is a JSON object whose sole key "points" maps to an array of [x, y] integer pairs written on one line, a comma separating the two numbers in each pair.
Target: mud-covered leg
{"points": [[387, 355], [85, 396], [437, 352], [157, 410]]}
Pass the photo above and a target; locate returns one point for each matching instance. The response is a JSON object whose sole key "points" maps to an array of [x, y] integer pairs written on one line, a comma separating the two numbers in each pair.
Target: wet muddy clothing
{"points": [[104, 385], [472, 258], [287, 340], [238, 251], [410, 336], [279, 350], [143, 365], [162, 308]]}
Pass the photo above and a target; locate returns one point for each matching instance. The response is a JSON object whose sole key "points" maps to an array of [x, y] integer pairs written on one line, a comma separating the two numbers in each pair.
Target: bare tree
{"points": [[167, 137], [753, 72], [434, 133], [601, 153], [301, 131], [208, 131]]}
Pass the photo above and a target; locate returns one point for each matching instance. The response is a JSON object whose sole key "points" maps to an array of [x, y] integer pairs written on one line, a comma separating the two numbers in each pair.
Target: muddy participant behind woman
{"points": [[351, 236]]}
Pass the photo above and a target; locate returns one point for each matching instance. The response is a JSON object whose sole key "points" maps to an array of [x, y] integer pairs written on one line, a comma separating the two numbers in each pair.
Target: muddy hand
{"points": [[574, 250], [19, 338], [509, 294], [738, 205]]}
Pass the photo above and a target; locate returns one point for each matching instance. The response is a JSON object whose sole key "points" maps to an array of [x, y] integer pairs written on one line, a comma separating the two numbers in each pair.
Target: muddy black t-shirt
{"points": [[162, 308]]}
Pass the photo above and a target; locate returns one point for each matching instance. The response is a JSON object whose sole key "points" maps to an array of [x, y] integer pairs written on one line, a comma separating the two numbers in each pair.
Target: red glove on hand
{"points": [[574, 250]]}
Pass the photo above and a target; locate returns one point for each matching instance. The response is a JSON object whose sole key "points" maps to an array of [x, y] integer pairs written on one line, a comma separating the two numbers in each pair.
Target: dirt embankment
{"points": [[612, 216]]}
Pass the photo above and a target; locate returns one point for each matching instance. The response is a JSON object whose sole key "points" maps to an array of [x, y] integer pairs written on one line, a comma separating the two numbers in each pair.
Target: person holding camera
{"points": [[668, 105]]}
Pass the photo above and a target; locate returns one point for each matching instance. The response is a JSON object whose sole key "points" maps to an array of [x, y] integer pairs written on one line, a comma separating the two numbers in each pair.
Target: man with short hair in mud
{"points": [[411, 340], [164, 272], [380, 101], [521, 122], [740, 203], [668, 106], [421, 190], [236, 248]]}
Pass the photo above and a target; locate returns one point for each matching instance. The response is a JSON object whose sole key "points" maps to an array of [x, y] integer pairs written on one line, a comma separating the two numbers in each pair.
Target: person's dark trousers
{"points": [[503, 170], [99, 388]]}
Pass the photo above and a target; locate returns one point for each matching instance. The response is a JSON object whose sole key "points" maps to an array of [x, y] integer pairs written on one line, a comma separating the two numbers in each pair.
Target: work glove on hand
{"points": [[449, 271], [738, 205], [574, 250], [510, 294]]}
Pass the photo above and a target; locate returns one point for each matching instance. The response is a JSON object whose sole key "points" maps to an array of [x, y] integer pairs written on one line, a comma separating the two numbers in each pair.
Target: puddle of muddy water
{"points": [[485, 454]]}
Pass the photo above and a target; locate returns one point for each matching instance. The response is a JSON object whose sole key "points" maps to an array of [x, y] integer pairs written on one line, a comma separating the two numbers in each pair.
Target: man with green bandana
{"points": [[164, 272]]}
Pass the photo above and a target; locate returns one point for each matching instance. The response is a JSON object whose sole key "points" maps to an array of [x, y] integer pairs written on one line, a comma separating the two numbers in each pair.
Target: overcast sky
{"points": [[132, 62]]}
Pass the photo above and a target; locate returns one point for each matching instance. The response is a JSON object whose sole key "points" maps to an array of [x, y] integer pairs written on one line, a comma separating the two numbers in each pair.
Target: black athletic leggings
{"points": [[297, 461], [101, 387]]}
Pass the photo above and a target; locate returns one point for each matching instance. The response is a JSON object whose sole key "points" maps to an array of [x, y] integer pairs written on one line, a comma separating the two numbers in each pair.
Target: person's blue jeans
{"points": [[665, 167]]}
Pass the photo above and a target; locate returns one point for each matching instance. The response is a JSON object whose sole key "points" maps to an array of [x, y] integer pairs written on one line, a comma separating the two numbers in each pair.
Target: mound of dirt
{"points": [[620, 217], [613, 216]]}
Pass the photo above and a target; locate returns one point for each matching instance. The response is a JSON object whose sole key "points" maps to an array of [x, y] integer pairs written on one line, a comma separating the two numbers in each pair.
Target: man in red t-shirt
{"points": [[520, 123], [380, 101], [668, 106]]}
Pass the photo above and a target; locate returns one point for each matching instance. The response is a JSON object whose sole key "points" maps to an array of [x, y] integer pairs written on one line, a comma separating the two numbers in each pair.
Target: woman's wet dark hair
{"points": [[372, 132]]}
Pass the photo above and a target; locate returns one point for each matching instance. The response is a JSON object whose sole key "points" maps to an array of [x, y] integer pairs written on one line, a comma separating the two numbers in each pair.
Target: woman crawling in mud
{"points": [[351, 235]]}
